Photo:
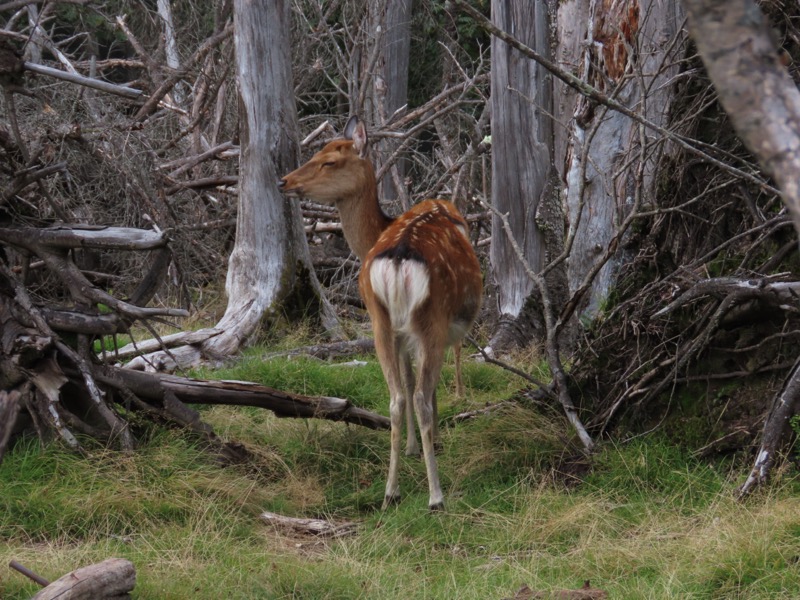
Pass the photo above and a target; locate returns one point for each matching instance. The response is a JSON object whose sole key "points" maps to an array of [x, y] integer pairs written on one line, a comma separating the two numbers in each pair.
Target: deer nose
{"points": [[281, 184]]}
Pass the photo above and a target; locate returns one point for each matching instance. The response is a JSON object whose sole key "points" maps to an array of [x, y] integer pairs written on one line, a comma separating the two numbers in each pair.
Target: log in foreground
{"points": [[111, 579], [154, 386]]}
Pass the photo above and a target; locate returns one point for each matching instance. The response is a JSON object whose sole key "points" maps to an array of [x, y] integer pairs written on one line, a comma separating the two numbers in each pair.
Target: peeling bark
{"points": [[626, 50]]}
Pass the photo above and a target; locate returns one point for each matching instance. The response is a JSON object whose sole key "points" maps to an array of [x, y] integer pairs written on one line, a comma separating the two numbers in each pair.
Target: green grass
{"points": [[648, 520]]}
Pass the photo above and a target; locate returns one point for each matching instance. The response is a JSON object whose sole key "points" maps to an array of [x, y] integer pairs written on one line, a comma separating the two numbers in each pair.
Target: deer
{"points": [[420, 281]]}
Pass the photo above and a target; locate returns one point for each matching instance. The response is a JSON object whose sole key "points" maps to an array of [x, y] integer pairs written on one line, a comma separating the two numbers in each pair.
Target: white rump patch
{"points": [[401, 287]]}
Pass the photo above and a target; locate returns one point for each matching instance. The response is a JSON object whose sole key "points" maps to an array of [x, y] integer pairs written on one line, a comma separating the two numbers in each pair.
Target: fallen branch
{"points": [[329, 351], [97, 84], [154, 386], [166, 341], [28, 573], [315, 527], [765, 287], [784, 407]]}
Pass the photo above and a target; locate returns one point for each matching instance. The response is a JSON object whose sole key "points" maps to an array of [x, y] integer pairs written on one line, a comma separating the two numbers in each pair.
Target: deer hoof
{"points": [[436, 508], [390, 501]]}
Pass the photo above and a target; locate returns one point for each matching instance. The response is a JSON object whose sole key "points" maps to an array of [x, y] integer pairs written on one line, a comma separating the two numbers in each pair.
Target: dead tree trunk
{"points": [[270, 255], [522, 138], [629, 51], [390, 84]]}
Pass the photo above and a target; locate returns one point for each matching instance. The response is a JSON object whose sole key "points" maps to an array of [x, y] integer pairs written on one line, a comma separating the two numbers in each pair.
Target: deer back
{"points": [[424, 273]]}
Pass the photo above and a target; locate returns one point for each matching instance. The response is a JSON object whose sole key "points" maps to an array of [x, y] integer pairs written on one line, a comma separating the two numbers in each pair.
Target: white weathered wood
{"points": [[103, 86], [316, 527], [261, 265], [521, 131], [166, 341], [599, 181], [80, 236], [112, 578]]}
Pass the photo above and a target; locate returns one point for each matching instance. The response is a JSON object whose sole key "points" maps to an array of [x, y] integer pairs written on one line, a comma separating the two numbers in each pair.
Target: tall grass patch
{"points": [[647, 520]]}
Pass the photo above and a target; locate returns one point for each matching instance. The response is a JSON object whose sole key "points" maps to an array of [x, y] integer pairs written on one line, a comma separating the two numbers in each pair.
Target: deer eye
{"points": [[329, 164]]}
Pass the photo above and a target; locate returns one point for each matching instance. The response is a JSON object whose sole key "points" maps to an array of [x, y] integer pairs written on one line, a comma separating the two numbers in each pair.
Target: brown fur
{"points": [[432, 236]]}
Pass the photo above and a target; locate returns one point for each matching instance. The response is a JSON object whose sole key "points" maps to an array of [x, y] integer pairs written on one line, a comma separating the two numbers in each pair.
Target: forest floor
{"points": [[646, 519]]}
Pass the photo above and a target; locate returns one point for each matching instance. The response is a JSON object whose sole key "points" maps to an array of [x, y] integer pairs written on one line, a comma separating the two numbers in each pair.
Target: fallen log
{"points": [[111, 579], [156, 387], [314, 527]]}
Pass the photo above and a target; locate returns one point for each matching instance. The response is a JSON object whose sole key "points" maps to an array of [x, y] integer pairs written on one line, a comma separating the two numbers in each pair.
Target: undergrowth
{"points": [[646, 520]]}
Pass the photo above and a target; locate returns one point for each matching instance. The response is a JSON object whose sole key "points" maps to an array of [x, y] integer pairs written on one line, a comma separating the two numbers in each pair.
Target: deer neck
{"points": [[363, 219]]}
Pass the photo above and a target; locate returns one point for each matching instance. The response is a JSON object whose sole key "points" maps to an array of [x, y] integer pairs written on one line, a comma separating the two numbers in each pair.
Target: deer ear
{"points": [[355, 130]]}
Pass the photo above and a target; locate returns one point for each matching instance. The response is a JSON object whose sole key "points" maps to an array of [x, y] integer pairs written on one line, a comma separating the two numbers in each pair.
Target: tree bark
{"points": [[270, 255], [389, 25], [261, 265], [628, 51], [754, 88], [109, 580], [522, 134]]}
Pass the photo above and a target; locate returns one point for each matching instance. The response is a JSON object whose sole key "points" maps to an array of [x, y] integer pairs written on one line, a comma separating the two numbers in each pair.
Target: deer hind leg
{"points": [[388, 349], [428, 370], [459, 378], [407, 380]]}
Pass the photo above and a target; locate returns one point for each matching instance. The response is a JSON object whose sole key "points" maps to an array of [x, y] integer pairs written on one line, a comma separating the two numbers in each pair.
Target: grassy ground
{"points": [[647, 521]]}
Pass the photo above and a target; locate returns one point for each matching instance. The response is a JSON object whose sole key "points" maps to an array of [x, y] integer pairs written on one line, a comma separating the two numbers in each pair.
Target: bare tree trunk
{"points": [[270, 241], [628, 51], [261, 266], [389, 25], [522, 134], [763, 102]]}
